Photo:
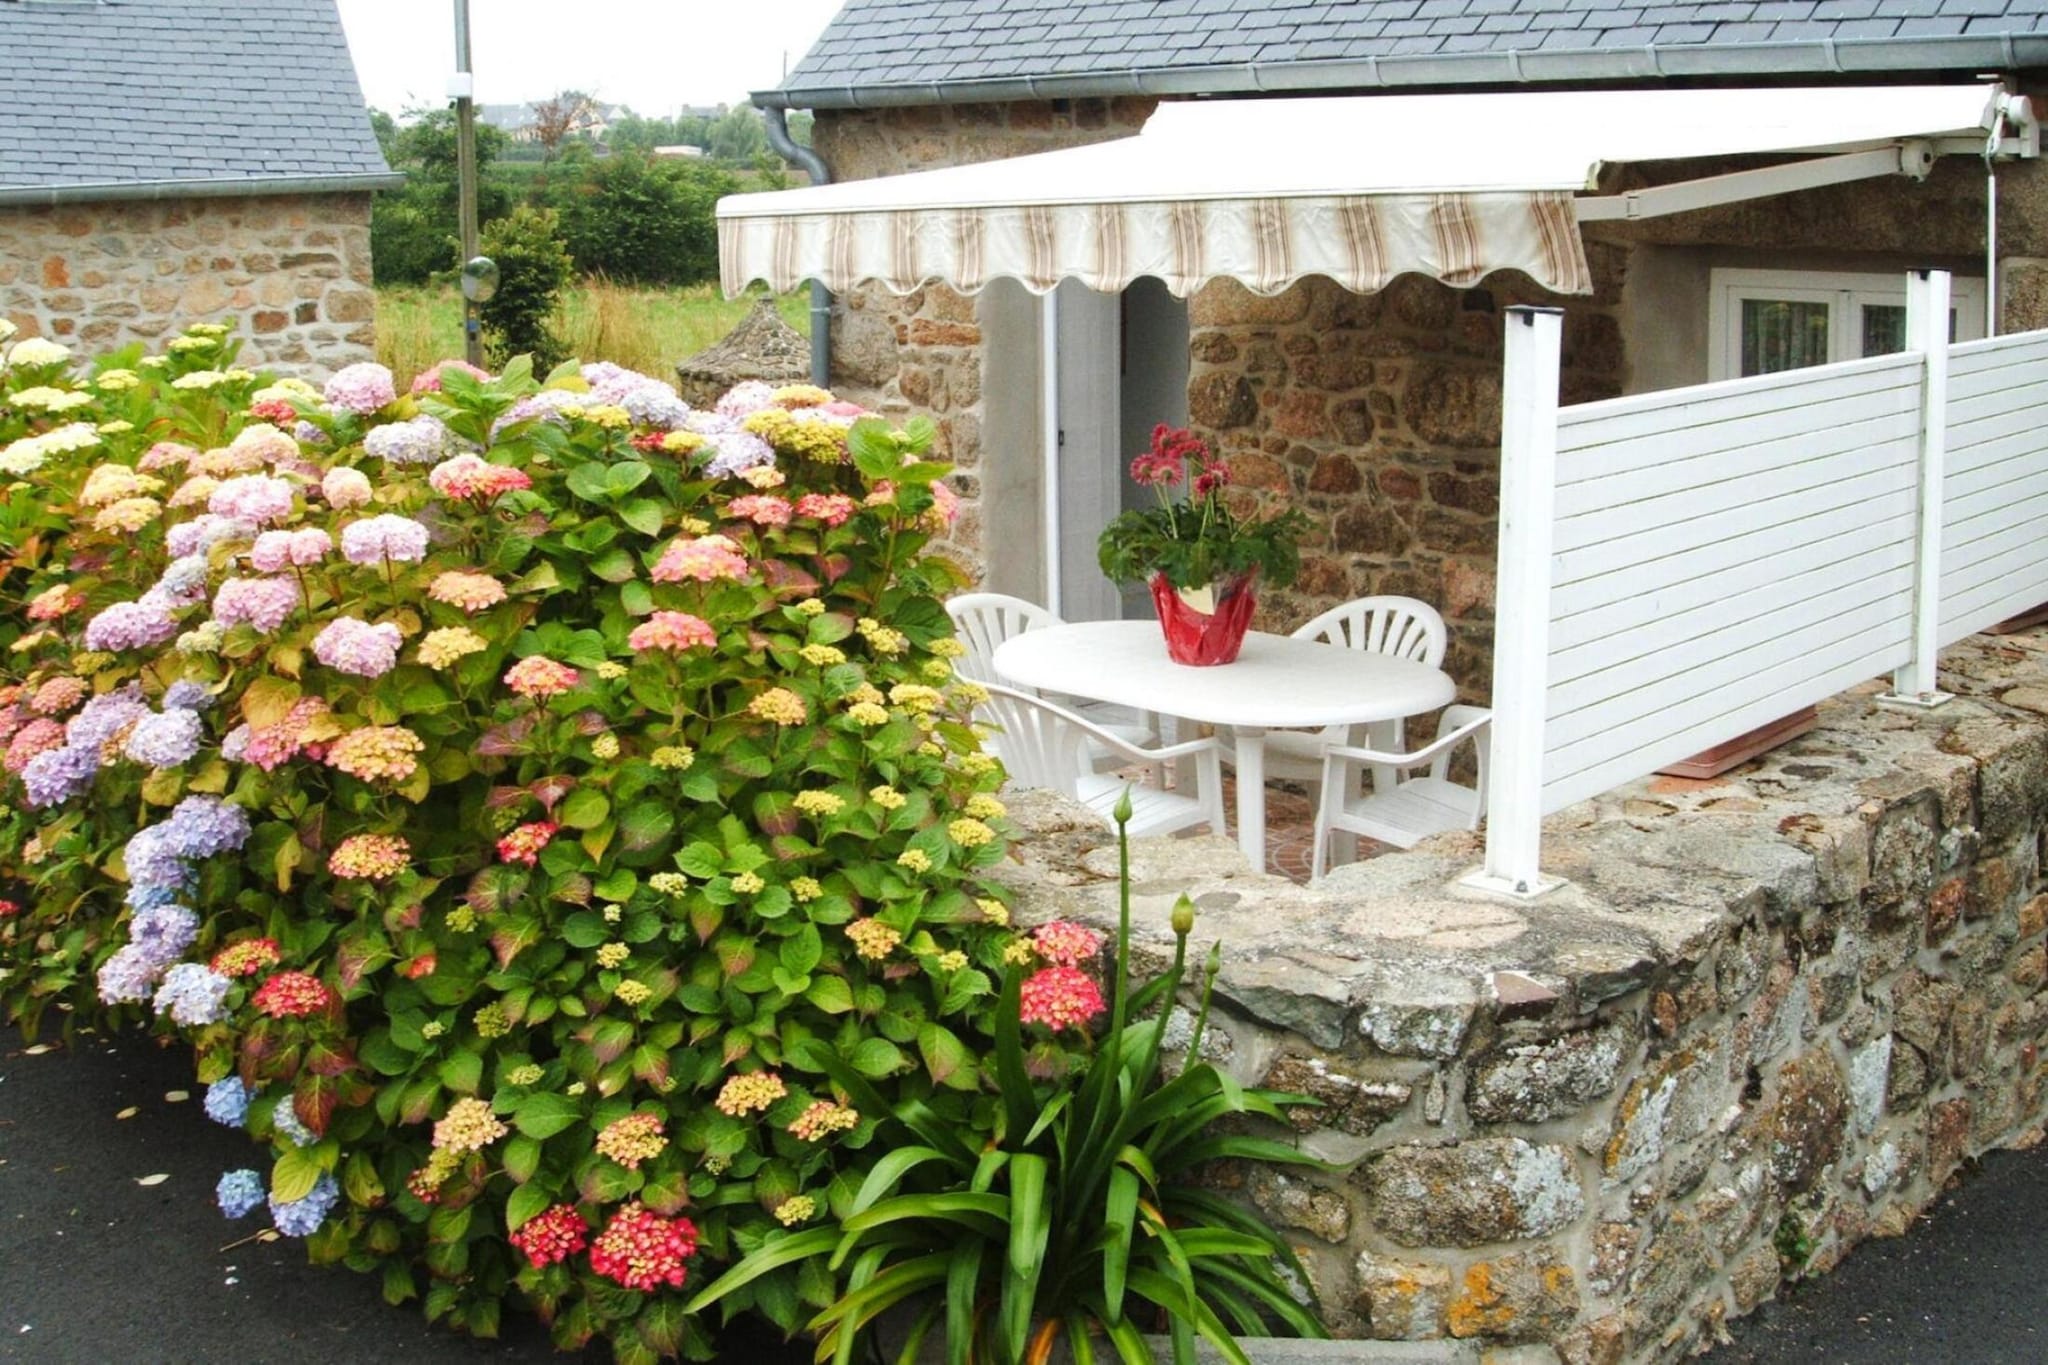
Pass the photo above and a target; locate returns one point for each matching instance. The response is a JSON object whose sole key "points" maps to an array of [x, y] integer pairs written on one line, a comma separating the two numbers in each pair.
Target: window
{"points": [[1764, 321]]}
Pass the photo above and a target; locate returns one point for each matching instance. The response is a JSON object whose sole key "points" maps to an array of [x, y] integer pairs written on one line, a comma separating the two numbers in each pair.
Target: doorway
{"points": [[1123, 369]]}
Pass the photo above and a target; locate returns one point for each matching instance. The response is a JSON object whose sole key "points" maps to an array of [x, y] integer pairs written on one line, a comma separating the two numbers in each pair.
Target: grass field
{"points": [[645, 329]]}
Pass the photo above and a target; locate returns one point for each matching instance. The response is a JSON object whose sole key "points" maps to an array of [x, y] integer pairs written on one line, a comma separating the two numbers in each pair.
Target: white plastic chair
{"points": [[1410, 810], [1401, 626], [1048, 746], [983, 620]]}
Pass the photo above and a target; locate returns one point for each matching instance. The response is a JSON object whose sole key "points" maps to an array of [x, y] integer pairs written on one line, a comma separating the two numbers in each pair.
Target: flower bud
{"points": [[1215, 962], [1122, 812], [1183, 917]]}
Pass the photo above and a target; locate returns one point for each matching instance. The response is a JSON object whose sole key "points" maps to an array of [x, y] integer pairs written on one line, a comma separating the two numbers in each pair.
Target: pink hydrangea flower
{"points": [[254, 498], [472, 476], [378, 539], [539, 676], [672, 630], [473, 592], [275, 551], [262, 603], [164, 454], [38, 736], [361, 389], [945, 502], [1065, 943], [763, 509], [266, 442], [357, 647], [344, 487], [429, 380], [747, 397], [831, 508], [1059, 997], [706, 559]]}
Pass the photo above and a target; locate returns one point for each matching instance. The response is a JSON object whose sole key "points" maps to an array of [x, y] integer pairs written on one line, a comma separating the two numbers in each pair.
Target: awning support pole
{"points": [[1927, 333], [1049, 434], [1521, 651], [1913, 159]]}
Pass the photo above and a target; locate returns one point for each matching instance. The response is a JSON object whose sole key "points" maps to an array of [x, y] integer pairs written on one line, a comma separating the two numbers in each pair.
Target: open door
{"points": [[1123, 368]]}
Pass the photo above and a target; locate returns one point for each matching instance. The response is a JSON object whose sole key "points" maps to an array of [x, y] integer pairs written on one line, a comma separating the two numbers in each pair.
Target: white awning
{"points": [[1359, 188]]}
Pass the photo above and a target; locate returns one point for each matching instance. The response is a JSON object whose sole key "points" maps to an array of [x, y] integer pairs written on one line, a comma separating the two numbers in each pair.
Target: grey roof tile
{"points": [[884, 42]]}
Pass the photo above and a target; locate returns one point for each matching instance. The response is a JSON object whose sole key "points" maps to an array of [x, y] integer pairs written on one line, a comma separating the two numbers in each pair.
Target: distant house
{"points": [[522, 122], [681, 149], [168, 161]]}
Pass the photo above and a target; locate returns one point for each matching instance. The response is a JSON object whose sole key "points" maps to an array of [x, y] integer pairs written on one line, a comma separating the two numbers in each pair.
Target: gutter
{"points": [[1828, 56], [776, 120], [108, 190]]}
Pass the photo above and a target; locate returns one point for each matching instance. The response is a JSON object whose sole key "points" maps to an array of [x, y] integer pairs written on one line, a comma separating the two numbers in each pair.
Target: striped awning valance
{"points": [[1267, 191], [1361, 241]]}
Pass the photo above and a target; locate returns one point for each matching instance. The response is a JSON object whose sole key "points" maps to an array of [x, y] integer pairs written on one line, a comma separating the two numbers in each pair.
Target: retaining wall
{"points": [[1768, 1018]]}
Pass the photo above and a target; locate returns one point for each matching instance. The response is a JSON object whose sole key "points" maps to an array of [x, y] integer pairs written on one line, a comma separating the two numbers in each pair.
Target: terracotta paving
{"points": [[1290, 829]]}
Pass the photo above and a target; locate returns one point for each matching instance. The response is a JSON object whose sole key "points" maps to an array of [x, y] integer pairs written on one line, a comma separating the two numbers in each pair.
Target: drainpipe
{"points": [[777, 121]]}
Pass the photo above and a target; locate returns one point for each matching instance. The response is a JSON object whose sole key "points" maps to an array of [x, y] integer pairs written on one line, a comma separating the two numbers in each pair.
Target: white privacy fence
{"points": [[1678, 568]]}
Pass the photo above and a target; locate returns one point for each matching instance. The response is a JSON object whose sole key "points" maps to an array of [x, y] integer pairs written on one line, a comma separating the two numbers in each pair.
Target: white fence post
{"points": [[1927, 333], [1521, 646]]}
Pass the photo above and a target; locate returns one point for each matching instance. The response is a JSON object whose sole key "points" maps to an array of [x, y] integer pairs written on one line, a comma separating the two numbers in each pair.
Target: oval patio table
{"points": [[1277, 683]]}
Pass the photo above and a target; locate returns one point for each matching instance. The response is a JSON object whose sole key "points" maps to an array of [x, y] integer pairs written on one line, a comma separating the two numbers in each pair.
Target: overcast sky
{"points": [[654, 55]]}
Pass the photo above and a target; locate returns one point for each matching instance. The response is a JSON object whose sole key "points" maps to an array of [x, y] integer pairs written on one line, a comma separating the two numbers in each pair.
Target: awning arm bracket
{"points": [[1914, 158]]}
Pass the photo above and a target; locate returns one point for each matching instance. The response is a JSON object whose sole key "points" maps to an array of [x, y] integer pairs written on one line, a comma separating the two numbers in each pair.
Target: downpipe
{"points": [[776, 120]]}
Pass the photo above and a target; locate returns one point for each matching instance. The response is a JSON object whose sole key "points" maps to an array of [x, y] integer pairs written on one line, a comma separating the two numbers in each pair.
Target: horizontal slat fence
{"points": [[1679, 568]]}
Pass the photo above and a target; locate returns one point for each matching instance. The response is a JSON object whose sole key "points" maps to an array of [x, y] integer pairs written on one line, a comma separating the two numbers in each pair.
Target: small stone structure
{"points": [[292, 273], [762, 347], [1770, 1015]]}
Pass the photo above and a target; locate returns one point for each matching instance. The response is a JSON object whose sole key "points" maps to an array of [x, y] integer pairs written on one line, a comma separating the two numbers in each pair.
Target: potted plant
{"points": [[1202, 559], [1082, 1222]]}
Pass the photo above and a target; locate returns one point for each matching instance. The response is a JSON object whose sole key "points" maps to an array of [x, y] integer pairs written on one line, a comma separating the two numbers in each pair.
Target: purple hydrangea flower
{"points": [[227, 1102], [104, 716], [305, 433], [186, 695], [184, 581], [546, 405], [738, 451], [374, 540], [656, 405], [362, 389], [746, 397], [419, 440], [255, 498], [235, 747], [201, 826], [153, 864], [149, 897], [129, 625], [285, 1120], [192, 995], [278, 550], [164, 740], [238, 1193], [353, 646], [262, 603], [303, 1217], [57, 775], [162, 933], [203, 532], [129, 976]]}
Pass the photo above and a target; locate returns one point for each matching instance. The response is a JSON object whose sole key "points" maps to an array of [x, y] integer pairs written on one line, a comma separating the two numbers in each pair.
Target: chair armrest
{"points": [[1441, 744]]}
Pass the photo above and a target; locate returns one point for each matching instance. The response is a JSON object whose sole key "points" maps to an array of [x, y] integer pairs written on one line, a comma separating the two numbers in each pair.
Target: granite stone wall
{"points": [[1770, 1015], [292, 273]]}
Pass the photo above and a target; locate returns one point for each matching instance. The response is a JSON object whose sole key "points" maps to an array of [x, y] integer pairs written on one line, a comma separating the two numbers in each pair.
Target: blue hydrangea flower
{"points": [[129, 976], [286, 1120], [153, 863], [303, 1217], [57, 775], [105, 716], [186, 695], [201, 826], [164, 740], [238, 1192], [162, 933], [184, 580], [738, 451], [192, 995], [227, 1101]]}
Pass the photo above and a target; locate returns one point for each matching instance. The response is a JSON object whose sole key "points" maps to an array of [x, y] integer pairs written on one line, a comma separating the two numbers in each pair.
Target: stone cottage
{"points": [[165, 162], [1380, 411]]}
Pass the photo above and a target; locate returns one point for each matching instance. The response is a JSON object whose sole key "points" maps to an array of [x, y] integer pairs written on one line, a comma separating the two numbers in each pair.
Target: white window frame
{"points": [[1843, 291]]}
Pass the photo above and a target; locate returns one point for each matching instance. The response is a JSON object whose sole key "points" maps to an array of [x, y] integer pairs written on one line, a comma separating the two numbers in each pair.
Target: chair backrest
{"points": [[984, 620], [1041, 745], [1401, 626]]}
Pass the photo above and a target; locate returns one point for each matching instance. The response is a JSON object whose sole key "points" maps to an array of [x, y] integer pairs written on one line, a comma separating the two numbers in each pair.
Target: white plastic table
{"points": [[1277, 683]]}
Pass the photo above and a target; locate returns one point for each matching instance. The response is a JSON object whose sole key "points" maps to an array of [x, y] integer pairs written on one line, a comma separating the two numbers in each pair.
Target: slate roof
{"points": [[914, 51], [247, 95]]}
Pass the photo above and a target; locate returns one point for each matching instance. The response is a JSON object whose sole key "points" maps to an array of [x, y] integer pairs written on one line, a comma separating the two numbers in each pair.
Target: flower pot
{"points": [[1204, 626]]}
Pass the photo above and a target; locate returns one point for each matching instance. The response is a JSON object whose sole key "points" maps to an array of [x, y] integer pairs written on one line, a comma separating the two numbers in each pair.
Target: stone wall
{"points": [[1768, 1018], [293, 273]]}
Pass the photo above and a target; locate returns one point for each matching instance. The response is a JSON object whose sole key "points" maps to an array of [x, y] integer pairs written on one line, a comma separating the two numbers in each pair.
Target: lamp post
{"points": [[463, 88]]}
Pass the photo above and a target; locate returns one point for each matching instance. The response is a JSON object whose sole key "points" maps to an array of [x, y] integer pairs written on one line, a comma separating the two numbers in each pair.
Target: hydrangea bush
{"points": [[499, 784]]}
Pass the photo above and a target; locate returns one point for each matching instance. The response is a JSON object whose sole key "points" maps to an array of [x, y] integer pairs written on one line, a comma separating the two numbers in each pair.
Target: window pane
{"points": [[1781, 335], [1884, 328]]}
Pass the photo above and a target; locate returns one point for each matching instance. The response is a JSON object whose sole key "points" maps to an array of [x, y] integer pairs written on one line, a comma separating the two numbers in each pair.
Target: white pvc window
{"points": [[1765, 321]]}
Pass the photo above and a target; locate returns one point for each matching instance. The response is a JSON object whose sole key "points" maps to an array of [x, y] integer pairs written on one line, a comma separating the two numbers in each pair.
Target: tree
{"points": [[737, 135], [556, 118], [532, 271], [413, 230], [385, 128]]}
